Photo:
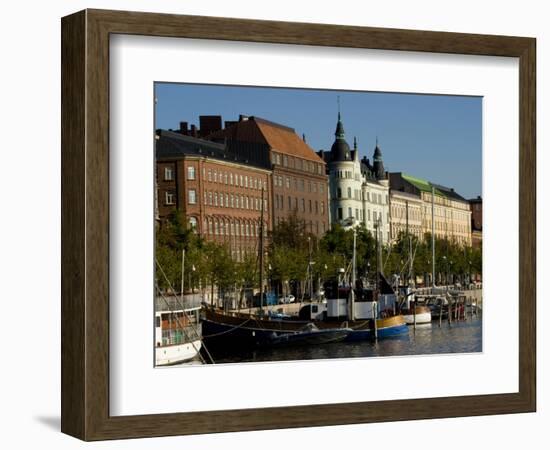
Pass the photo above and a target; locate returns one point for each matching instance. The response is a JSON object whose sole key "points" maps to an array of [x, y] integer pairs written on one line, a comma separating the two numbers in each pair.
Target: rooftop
{"points": [[426, 186], [279, 138], [173, 145]]}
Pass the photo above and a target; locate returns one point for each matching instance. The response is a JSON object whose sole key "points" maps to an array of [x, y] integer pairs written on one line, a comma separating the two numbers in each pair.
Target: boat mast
{"points": [[351, 315], [377, 254], [408, 237], [262, 255], [433, 240], [182, 271]]}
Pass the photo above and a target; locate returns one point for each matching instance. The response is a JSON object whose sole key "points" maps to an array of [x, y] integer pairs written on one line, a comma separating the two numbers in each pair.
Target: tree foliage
{"points": [[293, 256]]}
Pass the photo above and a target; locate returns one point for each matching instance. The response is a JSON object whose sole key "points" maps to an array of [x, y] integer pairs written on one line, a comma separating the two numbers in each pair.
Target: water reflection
{"points": [[458, 337]]}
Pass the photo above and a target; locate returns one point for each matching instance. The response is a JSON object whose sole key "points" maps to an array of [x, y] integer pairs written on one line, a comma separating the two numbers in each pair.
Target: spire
{"points": [[339, 133], [378, 163], [340, 150], [355, 142]]}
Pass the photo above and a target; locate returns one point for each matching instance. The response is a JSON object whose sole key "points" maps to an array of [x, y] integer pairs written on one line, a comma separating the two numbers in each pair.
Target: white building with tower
{"points": [[357, 188]]}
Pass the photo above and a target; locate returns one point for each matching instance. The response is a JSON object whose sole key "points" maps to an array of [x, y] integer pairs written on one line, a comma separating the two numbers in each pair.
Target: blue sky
{"points": [[435, 137]]}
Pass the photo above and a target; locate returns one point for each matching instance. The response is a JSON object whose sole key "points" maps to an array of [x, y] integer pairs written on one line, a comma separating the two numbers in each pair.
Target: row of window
{"points": [[446, 226], [232, 179], [346, 174], [225, 200], [297, 184], [414, 231], [295, 204], [358, 194], [377, 216], [228, 178], [400, 212], [446, 212], [296, 163], [227, 227]]}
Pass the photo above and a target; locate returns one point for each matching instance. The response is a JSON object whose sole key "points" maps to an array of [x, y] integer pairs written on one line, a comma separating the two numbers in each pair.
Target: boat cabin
{"points": [[361, 303]]}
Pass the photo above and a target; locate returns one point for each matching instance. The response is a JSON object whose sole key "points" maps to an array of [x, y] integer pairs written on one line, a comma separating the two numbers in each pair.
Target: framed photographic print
{"points": [[294, 224]]}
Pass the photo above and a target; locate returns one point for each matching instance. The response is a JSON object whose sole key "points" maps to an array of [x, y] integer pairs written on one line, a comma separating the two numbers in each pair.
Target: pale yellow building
{"points": [[406, 213], [452, 214]]}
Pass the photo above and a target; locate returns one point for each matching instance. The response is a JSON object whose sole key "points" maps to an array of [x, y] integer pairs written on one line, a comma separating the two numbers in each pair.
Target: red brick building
{"points": [[299, 183], [219, 192], [476, 206]]}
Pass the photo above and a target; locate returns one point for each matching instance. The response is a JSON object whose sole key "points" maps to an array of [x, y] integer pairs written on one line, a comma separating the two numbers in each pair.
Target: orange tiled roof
{"points": [[280, 138]]}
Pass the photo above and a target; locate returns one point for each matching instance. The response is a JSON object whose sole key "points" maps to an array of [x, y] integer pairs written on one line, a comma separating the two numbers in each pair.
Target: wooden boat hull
{"points": [[310, 338], [386, 328], [234, 329], [222, 329]]}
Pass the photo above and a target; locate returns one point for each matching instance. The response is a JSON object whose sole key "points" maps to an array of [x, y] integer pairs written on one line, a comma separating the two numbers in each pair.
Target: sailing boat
{"points": [[413, 313], [368, 313], [226, 328], [177, 331]]}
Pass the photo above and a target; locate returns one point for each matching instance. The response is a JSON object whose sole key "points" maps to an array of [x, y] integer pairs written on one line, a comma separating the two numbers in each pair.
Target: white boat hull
{"points": [[425, 317], [176, 354]]}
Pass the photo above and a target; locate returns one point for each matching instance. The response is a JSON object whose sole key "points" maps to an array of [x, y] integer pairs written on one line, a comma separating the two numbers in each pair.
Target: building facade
{"points": [[357, 189], [476, 206], [452, 215], [219, 194], [406, 214], [299, 183]]}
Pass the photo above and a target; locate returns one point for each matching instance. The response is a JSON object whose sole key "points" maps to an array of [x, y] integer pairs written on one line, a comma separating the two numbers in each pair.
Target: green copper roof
{"points": [[423, 185]]}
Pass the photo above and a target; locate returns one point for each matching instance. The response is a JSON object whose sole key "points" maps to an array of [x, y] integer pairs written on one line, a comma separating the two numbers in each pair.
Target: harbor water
{"points": [[457, 337]]}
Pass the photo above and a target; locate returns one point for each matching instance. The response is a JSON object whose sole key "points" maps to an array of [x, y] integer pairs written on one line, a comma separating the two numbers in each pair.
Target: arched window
{"points": [[193, 222]]}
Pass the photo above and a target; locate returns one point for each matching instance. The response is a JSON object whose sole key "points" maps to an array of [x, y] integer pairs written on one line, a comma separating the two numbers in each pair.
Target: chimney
{"points": [[210, 124], [183, 128], [193, 131], [242, 118]]}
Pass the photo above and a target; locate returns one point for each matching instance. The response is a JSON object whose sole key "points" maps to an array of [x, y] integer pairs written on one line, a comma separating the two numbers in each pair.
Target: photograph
{"points": [[301, 224]]}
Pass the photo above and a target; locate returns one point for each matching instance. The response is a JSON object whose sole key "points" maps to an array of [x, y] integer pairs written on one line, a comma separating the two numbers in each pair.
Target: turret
{"points": [[378, 163], [340, 150]]}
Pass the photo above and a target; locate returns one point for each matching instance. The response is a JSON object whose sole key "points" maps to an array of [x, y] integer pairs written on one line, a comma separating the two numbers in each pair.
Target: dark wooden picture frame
{"points": [[85, 224]]}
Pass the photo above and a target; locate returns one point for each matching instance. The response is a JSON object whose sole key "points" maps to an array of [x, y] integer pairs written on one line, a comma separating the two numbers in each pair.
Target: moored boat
{"points": [[369, 314], [311, 335], [418, 314], [228, 329], [177, 331]]}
